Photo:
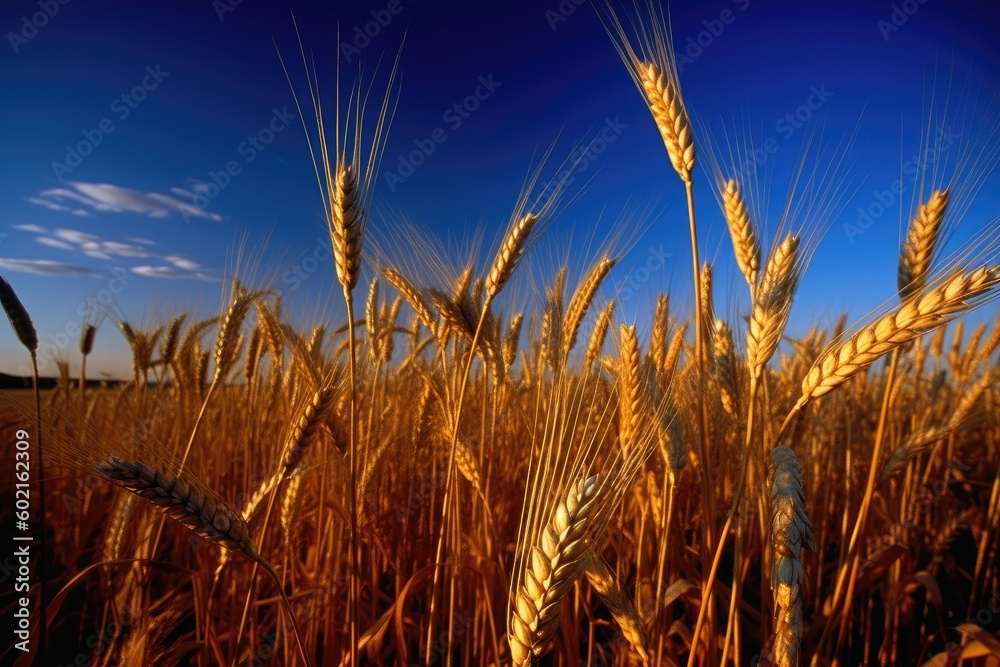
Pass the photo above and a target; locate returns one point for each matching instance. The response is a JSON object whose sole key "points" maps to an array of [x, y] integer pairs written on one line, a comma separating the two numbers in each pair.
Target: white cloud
{"points": [[169, 273], [182, 263], [44, 267], [54, 243], [92, 245], [107, 198]]}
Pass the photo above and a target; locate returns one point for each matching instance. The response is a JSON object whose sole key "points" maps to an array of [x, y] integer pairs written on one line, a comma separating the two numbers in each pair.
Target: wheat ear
{"points": [[918, 249], [600, 331], [581, 301], [772, 303], [346, 222], [622, 607], [630, 391], [227, 343], [658, 337], [552, 566], [664, 100], [20, 321], [415, 297], [510, 254], [198, 510], [745, 242], [790, 531], [957, 293]]}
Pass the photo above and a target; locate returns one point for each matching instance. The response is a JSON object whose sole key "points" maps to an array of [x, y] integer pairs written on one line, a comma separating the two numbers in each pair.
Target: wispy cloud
{"points": [[45, 267], [85, 198], [91, 245], [167, 272]]}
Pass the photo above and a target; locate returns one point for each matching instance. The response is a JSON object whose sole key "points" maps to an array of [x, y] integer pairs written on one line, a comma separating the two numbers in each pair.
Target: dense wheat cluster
{"points": [[446, 479]]}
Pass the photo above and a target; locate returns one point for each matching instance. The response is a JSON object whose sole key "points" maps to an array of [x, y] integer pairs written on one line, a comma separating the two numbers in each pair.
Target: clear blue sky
{"points": [[116, 115]]}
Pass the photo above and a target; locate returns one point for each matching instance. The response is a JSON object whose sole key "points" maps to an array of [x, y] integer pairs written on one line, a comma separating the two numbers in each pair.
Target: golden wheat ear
{"points": [[552, 566], [957, 293], [200, 511], [918, 250]]}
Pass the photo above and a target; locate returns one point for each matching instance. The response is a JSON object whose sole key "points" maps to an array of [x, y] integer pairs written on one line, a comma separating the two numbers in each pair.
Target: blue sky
{"points": [[121, 120]]}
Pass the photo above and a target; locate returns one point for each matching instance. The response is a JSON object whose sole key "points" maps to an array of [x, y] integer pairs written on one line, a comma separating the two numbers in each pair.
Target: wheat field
{"points": [[442, 479]]}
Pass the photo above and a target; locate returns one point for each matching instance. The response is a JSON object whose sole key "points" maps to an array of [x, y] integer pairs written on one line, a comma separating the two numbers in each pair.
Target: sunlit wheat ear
{"points": [[790, 532], [552, 565], [621, 606], [665, 370], [168, 348], [673, 447], [346, 225], [658, 337], [306, 430], [746, 245], [511, 340], [921, 439], [664, 100], [917, 254], [510, 254], [227, 347], [772, 302], [414, 296], [581, 302], [199, 510], [957, 293], [630, 392], [597, 336], [20, 321]]}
